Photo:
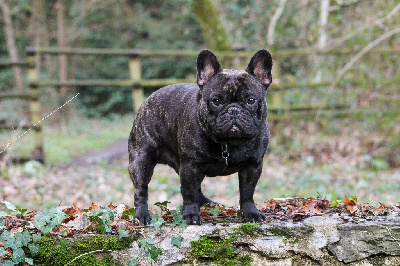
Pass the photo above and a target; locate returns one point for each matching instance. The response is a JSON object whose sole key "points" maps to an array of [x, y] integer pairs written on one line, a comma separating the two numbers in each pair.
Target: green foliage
{"points": [[335, 203], [156, 221], [129, 212], [133, 262], [379, 164], [144, 25], [355, 198], [48, 219], [150, 249], [22, 244], [177, 241], [13, 209], [123, 232], [214, 211], [178, 218], [104, 216]]}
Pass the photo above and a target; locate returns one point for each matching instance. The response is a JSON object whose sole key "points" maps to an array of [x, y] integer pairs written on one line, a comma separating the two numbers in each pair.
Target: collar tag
{"points": [[225, 153]]}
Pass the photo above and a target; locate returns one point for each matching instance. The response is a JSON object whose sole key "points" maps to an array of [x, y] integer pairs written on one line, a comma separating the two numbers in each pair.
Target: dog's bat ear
{"points": [[260, 66], [207, 66]]}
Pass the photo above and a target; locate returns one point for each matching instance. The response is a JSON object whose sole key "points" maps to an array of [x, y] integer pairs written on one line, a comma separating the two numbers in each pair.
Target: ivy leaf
{"points": [[123, 232], [156, 222], [36, 238], [18, 255], [21, 211], [8, 263], [5, 236], [3, 252], [178, 218], [49, 219], [355, 198], [2, 224], [34, 248], [145, 242], [214, 211], [335, 203], [153, 254], [24, 237], [177, 241], [128, 212], [10, 242], [152, 251], [162, 204], [133, 262], [29, 261], [104, 216], [9, 206]]}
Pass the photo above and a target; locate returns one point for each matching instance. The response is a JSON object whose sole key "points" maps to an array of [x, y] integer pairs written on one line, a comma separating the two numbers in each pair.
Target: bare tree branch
{"points": [[337, 42], [274, 20], [361, 53]]}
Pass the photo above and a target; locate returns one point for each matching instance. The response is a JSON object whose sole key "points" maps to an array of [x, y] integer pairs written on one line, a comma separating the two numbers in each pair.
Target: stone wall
{"points": [[317, 240]]}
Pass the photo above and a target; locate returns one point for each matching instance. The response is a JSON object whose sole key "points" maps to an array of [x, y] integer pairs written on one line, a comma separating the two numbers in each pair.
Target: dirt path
{"points": [[108, 154]]}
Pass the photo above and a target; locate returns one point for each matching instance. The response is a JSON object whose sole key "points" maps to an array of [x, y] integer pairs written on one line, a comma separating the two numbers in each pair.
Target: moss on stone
{"points": [[96, 250], [248, 229], [220, 252]]}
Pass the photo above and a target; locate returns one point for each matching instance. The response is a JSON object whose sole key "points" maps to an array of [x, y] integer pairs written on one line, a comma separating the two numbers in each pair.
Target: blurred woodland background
{"points": [[336, 65]]}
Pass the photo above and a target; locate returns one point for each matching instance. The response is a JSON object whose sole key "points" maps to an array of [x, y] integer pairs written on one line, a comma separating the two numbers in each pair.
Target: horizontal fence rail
{"points": [[183, 53], [6, 64]]}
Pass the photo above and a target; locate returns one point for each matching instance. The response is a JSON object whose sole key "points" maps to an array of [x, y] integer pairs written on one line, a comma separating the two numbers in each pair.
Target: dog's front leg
{"points": [[190, 183], [248, 179]]}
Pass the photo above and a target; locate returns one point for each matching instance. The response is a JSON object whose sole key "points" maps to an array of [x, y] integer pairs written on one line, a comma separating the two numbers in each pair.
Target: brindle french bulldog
{"points": [[217, 127]]}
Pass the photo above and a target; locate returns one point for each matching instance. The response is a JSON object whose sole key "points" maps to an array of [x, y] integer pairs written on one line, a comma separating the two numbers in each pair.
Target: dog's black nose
{"points": [[234, 111]]}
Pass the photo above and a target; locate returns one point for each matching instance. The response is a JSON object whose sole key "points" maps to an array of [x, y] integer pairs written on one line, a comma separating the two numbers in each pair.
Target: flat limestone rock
{"points": [[317, 240]]}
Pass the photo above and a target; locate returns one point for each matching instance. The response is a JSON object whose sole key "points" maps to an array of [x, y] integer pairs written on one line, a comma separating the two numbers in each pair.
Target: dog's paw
{"points": [[251, 214], [191, 213], [143, 215]]}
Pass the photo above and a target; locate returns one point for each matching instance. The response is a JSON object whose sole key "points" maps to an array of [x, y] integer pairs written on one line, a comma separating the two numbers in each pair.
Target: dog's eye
{"points": [[216, 102], [251, 101]]}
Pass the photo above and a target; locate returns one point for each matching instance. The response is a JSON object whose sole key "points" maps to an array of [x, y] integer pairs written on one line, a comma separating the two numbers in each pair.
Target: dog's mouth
{"points": [[233, 136], [234, 133]]}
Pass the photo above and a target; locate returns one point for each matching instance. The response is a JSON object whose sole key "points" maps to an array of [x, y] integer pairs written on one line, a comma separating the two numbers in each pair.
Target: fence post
{"points": [[37, 153], [135, 68], [277, 95]]}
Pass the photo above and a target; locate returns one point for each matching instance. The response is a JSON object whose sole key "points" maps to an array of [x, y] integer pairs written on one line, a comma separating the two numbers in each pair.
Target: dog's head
{"points": [[232, 106]]}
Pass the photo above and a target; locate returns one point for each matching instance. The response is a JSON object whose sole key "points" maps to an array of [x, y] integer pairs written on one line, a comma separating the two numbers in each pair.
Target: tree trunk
{"points": [[62, 42], [323, 18], [211, 27], [11, 46]]}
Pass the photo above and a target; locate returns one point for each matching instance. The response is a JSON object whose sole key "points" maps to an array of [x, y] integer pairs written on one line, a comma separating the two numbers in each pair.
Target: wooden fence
{"points": [[138, 84]]}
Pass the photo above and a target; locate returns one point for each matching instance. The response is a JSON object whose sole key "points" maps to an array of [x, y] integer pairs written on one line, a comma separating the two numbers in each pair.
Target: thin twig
{"points": [[88, 253], [37, 123]]}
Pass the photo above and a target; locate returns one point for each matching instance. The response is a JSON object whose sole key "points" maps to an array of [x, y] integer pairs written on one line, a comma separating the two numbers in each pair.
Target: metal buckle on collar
{"points": [[225, 153]]}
